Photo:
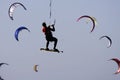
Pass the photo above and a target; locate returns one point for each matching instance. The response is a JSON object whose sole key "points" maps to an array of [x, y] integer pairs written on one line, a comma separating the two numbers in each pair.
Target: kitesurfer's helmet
{"points": [[44, 24]]}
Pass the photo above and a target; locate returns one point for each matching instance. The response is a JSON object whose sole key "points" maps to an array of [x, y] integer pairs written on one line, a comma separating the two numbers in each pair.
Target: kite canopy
{"points": [[18, 31], [110, 41], [35, 68], [118, 63], [91, 18], [3, 64], [13, 7]]}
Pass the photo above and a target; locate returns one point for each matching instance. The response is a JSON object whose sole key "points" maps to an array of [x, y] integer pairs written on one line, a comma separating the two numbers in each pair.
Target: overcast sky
{"points": [[85, 57]]}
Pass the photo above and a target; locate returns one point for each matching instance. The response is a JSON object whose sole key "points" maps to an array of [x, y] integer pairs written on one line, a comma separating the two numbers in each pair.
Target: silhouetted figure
{"points": [[48, 35]]}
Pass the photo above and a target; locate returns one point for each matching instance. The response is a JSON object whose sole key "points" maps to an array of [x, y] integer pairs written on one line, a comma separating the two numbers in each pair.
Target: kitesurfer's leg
{"points": [[47, 44], [55, 43]]}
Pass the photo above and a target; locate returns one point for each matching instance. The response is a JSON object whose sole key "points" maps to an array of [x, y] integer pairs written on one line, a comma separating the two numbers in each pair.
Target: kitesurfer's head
{"points": [[44, 24]]}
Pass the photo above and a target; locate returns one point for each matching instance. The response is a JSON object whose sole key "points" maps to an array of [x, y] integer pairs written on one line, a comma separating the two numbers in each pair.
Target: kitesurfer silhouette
{"points": [[49, 36]]}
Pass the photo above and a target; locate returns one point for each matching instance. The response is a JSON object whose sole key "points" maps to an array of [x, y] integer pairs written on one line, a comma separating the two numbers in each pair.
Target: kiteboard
{"points": [[51, 50]]}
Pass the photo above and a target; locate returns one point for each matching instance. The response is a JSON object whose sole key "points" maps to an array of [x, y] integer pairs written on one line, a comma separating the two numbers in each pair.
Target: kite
{"points": [[35, 68], [3, 64], [86, 16], [118, 62], [18, 30], [13, 7], [110, 41]]}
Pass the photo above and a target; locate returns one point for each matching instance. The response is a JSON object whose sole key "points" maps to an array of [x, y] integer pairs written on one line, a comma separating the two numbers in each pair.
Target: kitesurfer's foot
{"points": [[56, 50], [47, 48]]}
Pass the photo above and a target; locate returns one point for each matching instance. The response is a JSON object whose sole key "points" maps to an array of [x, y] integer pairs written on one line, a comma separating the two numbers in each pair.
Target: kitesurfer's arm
{"points": [[52, 28]]}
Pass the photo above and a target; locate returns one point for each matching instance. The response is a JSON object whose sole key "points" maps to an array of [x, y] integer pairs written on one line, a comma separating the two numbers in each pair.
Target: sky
{"points": [[85, 57]]}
